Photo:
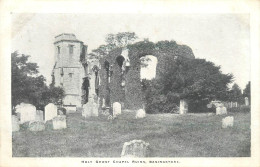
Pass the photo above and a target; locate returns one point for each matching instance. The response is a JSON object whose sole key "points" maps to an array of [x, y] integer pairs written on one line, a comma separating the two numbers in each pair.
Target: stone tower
{"points": [[68, 71]]}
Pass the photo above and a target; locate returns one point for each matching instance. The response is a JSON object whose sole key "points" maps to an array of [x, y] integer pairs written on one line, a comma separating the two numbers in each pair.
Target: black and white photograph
{"points": [[133, 88]]}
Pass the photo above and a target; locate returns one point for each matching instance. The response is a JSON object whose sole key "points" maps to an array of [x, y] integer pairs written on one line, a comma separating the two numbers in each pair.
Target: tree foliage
{"points": [[121, 39], [28, 86], [196, 80], [235, 94]]}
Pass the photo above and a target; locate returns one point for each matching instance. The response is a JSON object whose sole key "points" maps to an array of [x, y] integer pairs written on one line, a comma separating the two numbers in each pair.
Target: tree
{"points": [[28, 86], [235, 94], [121, 39], [195, 80]]}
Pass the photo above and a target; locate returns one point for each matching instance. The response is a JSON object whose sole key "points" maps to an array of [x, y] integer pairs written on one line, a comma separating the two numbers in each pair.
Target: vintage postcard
{"points": [[160, 83]]}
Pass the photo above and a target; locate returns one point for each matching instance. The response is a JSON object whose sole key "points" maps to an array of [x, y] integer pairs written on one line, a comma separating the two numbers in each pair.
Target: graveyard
{"points": [[169, 135], [106, 105]]}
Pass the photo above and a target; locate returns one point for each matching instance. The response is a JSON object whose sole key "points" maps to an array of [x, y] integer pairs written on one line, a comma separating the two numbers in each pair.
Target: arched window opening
{"points": [[107, 68], [148, 65], [85, 90], [96, 70], [85, 69], [120, 61]]}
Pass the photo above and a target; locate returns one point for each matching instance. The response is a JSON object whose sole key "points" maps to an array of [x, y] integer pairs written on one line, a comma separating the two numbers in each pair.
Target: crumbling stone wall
{"points": [[130, 95]]}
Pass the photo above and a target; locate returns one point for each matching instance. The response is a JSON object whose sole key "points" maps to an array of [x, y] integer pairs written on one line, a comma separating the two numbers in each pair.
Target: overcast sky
{"points": [[220, 38]]}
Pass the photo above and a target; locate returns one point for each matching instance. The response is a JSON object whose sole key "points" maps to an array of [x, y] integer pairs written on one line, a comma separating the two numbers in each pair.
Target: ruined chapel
{"points": [[114, 77]]}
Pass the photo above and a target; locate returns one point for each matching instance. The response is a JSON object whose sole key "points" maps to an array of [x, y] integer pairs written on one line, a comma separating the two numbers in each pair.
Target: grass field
{"points": [[169, 135]]}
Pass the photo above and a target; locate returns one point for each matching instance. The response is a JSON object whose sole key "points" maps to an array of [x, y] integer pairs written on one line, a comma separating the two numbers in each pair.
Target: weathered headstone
{"points": [[209, 105], [15, 124], [50, 111], [27, 112], [140, 113], [246, 101], [183, 106], [39, 115], [135, 148], [227, 122], [90, 109], [221, 110], [36, 126], [116, 109], [59, 122]]}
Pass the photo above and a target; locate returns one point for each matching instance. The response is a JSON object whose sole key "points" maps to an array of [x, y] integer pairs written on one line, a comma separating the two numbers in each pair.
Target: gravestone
{"points": [[221, 110], [27, 112], [135, 148], [59, 122], [183, 106], [36, 126], [246, 101], [50, 111], [15, 123], [39, 115], [209, 105], [140, 113], [227, 122], [116, 109], [90, 109]]}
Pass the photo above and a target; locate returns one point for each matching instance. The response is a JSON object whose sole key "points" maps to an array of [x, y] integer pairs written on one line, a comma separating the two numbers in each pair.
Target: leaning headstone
{"points": [[135, 148], [59, 122], [36, 126], [27, 112], [140, 113], [246, 101], [15, 124], [183, 106], [221, 110], [116, 109], [227, 122], [50, 111], [39, 115]]}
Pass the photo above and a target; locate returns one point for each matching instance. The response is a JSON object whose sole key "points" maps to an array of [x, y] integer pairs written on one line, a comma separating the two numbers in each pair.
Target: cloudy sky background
{"points": [[221, 38]]}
